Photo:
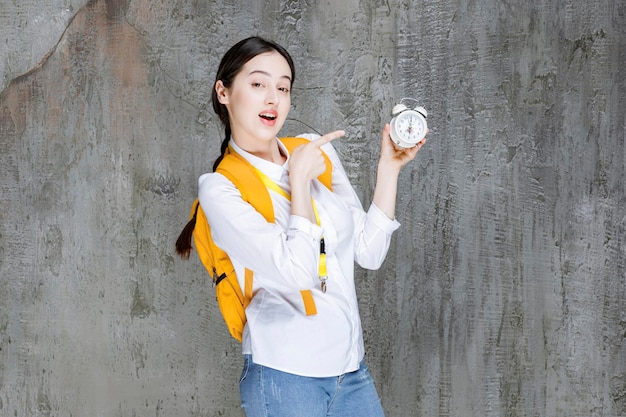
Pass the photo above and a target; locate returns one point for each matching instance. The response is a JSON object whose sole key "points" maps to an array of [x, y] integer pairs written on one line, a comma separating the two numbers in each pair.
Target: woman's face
{"points": [[258, 100]]}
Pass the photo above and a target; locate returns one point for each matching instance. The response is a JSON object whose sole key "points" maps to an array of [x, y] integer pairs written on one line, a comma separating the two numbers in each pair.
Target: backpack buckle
{"points": [[217, 278]]}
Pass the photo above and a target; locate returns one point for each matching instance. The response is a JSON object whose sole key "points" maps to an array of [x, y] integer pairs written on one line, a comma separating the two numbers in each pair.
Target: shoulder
{"points": [[215, 186]]}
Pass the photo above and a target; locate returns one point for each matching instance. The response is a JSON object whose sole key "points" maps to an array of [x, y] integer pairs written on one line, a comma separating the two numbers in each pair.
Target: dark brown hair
{"points": [[231, 64]]}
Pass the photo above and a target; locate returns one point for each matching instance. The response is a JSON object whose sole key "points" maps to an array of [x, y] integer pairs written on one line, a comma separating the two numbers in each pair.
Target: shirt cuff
{"points": [[381, 220], [304, 225]]}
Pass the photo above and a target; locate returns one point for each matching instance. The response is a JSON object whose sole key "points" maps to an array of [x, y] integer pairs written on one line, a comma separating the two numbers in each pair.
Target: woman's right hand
{"points": [[307, 162]]}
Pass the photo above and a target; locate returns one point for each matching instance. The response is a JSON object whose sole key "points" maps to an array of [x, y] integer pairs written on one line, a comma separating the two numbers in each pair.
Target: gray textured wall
{"points": [[503, 293]]}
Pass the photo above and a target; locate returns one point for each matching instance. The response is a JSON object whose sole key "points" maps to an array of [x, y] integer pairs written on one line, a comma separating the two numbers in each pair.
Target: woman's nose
{"points": [[272, 96]]}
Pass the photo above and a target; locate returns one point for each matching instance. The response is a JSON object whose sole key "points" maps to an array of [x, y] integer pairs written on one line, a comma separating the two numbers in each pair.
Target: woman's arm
{"points": [[288, 251], [392, 159]]}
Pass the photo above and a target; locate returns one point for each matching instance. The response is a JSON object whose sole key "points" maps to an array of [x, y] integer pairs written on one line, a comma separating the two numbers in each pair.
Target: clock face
{"points": [[410, 128]]}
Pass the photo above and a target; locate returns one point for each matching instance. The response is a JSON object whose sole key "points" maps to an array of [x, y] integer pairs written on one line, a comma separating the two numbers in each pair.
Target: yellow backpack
{"points": [[231, 299]]}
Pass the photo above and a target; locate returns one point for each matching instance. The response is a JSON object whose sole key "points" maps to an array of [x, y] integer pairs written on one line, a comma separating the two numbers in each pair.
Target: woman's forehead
{"points": [[271, 64]]}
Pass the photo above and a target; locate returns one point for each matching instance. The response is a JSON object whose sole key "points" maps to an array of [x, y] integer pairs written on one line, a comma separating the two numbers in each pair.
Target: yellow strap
{"points": [[309, 302], [239, 171], [323, 270], [315, 213], [247, 292], [275, 187], [271, 184]]}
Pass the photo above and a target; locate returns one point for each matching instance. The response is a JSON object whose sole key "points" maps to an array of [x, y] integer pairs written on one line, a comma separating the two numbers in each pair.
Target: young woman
{"points": [[296, 364]]}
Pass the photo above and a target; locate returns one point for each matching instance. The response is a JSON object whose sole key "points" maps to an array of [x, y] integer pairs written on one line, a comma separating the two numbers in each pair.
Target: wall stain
{"points": [[163, 185], [139, 308]]}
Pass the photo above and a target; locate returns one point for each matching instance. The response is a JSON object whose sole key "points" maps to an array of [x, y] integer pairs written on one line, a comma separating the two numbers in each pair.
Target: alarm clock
{"points": [[408, 125]]}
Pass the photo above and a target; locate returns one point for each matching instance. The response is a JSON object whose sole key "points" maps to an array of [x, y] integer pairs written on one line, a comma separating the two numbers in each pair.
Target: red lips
{"points": [[268, 117]]}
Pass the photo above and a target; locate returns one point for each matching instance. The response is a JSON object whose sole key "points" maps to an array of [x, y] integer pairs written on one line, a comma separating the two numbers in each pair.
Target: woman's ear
{"points": [[222, 92]]}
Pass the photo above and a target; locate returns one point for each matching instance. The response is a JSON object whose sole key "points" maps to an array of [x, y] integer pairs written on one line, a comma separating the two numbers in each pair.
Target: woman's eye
{"points": [[257, 85], [283, 89]]}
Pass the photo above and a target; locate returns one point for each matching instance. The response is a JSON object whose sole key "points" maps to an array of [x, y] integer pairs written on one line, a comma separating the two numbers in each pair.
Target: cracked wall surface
{"points": [[504, 291]]}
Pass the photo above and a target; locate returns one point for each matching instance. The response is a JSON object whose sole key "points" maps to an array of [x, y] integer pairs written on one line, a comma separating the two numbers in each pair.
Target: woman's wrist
{"points": [[386, 189], [387, 172], [301, 198]]}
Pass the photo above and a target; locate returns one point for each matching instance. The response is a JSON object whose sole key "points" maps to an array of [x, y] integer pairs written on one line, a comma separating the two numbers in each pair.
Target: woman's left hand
{"points": [[394, 156]]}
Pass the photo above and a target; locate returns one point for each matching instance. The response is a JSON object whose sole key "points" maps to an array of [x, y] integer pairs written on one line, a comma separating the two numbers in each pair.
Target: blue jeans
{"points": [[266, 392]]}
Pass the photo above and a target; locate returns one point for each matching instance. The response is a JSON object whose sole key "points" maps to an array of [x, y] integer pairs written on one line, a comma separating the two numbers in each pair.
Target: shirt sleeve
{"points": [[373, 229], [288, 254]]}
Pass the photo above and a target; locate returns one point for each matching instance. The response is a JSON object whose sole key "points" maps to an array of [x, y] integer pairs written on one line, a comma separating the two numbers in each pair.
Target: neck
{"points": [[270, 151]]}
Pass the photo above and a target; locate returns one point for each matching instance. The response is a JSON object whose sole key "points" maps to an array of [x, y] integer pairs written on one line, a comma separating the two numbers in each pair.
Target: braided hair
{"points": [[232, 63]]}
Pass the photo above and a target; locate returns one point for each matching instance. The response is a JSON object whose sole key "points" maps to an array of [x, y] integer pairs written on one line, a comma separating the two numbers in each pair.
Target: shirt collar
{"points": [[272, 170]]}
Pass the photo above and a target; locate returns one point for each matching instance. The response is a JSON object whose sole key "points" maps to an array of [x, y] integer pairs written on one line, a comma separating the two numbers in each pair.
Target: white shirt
{"points": [[284, 256]]}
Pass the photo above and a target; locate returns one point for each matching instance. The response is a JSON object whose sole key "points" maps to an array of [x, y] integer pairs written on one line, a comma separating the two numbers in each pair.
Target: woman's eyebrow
{"points": [[268, 74]]}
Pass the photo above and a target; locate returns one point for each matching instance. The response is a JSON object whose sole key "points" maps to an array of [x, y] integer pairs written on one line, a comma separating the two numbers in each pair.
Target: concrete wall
{"points": [[503, 293]]}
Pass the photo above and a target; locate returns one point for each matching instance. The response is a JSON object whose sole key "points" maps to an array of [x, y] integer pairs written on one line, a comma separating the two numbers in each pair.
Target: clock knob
{"points": [[397, 109], [422, 111]]}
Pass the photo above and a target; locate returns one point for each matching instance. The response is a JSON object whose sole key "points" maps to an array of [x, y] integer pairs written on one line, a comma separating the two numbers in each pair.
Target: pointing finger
{"points": [[328, 137]]}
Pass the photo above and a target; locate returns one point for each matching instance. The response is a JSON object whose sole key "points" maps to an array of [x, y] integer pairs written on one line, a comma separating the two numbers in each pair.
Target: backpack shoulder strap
{"points": [[326, 178], [241, 173]]}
